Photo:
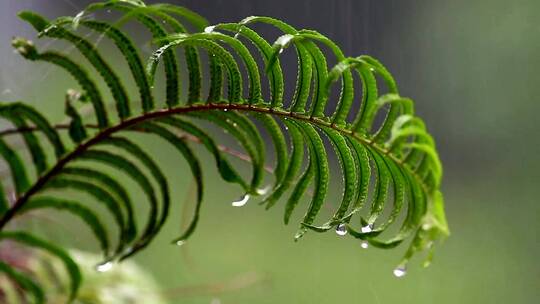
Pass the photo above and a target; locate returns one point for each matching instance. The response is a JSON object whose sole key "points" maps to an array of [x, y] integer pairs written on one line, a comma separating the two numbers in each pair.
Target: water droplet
{"points": [[280, 51], [367, 228], [108, 11], [104, 267], [209, 29], [225, 110], [400, 271], [372, 69], [364, 245], [264, 190], [341, 230], [180, 243], [242, 201]]}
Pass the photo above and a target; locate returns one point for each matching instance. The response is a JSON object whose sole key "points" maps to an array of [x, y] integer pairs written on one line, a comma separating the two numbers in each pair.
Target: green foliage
{"points": [[393, 163]]}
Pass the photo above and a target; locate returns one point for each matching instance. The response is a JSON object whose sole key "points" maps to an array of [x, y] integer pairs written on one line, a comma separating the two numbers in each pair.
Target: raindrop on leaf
{"points": [[104, 267], [242, 201], [400, 271], [341, 230], [367, 228]]}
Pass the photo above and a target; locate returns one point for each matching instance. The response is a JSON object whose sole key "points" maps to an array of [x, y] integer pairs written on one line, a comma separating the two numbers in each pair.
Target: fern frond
{"points": [[397, 156]]}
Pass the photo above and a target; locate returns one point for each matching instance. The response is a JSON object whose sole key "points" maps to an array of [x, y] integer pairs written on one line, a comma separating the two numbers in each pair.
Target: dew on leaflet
{"points": [[341, 230], [104, 267], [400, 271], [367, 228], [242, 201]]}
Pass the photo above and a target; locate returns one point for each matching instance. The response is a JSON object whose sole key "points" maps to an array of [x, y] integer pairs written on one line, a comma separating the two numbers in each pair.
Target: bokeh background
{"points": [[472, 68]]}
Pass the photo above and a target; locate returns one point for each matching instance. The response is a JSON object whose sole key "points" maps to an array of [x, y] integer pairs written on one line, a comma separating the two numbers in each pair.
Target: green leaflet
{"points": [[71, 266], [226, 170], [100, 195], [347, 90], [139, 177], [18, 173], [114, 187], [304, 59], [319, 162], [294, 166], [251, 145], [132, 57], [197, 20], [276, 75], [90, 52], [193, 162], [234, 76], [27, 49], [39, 121], [350, 178], [280, 145], [84, 213], [191, 53], [381, 187], [4, 204], [135, 151], [23, 281], [240, 49], [169, 58], [77, 132], [32, 143]]}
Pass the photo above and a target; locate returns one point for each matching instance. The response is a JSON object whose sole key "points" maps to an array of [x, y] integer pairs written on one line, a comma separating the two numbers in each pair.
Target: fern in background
{"points": [[390, 164]]}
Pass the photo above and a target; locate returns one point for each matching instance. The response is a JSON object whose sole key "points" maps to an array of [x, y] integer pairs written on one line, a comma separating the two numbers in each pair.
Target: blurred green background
{"points": [[472, 68]]}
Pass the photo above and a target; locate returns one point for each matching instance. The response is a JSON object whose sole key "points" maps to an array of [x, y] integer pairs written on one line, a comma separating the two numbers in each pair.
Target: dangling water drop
{"points": [[280, 51], [209, 29], [263, 191], [341, 230], [180, 243], [225, 110], [400, 271], [367, 228], [242, 201], [364, 245], [104, 267]]}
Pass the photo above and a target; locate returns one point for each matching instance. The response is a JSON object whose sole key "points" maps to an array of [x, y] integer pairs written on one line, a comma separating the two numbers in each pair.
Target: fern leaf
{"points": [[397, 156]]}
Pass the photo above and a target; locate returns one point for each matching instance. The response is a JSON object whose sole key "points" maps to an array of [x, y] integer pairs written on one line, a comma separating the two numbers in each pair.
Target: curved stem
{"points": [[123, 125]]}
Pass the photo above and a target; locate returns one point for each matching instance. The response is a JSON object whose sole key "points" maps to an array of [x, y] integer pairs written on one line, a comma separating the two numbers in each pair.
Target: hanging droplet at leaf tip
{"points": [[400, 271], [104, 267], [341, 230], [364, 245], [241, 202], [263, 191], [367, 228], [209, 29]]}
